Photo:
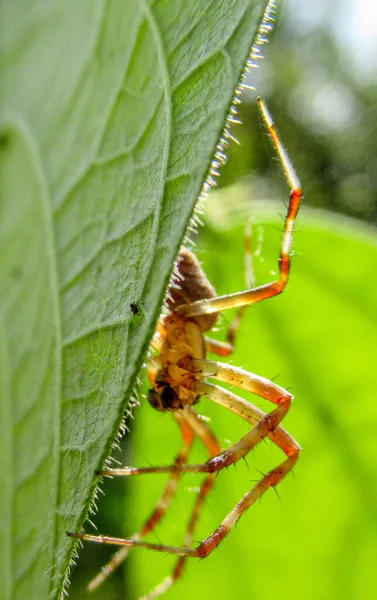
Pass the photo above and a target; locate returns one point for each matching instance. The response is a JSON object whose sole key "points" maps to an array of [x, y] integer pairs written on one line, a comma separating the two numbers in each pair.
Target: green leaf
{"points": [[111, 113]]}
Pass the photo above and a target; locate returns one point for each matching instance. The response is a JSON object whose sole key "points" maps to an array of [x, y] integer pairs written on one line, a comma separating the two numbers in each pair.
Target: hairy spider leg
{"points": [[213, 305], [225, 349], [191, 426], [163, 504], [266, 425], [204, 432], [250, 283]]}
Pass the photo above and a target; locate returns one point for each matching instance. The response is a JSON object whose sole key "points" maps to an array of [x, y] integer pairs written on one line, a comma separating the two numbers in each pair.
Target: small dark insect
{"points": [[135, 308], [178, 375]]}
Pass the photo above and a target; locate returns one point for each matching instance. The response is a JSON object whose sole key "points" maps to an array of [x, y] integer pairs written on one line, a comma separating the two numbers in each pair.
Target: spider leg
{"points": [[250, 413], [163, 504], [221, 348], [271, 479], [266, 424], [240, 378], [248, 381], [204, 432], [271, 289], [250, 283], [190, 425], [226, 348]]}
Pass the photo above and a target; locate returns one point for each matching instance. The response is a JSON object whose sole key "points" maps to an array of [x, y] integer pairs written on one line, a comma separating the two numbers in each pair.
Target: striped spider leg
{"points": [[179, 373], [191, 425], [213, 305]]}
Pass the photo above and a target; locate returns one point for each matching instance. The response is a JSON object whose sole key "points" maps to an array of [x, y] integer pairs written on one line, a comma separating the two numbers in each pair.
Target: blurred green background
{"points": [[317, 537]]}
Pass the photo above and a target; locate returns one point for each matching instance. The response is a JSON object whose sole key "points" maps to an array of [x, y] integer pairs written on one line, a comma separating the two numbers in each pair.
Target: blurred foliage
{"points": [[327, 115]]}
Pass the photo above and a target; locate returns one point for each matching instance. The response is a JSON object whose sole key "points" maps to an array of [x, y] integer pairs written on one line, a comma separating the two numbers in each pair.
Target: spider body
{"points": [[179, 374], [179, 339]]}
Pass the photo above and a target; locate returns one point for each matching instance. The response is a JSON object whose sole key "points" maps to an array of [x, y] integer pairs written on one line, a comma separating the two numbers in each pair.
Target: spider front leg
{"points": [[257, 294]]}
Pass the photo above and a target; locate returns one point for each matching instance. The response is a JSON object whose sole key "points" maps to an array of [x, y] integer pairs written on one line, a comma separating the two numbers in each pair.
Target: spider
{"points": [[178, 374]]}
